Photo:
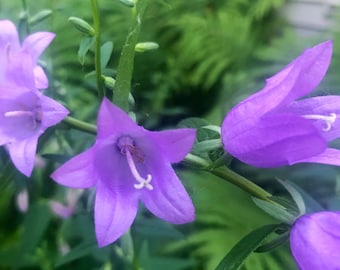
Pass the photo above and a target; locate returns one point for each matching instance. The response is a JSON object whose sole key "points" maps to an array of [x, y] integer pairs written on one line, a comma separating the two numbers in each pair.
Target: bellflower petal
{"points": [[171, 202], [288, 139], [117, 121], [330, 156], [315, 241], [175, 144], [22, 154], [40, 78], [53, 111], [127, 164], [78, 172], [114, 214], [270, 129], [9, 35], [36, 43], [20, 70], [33, 46]]}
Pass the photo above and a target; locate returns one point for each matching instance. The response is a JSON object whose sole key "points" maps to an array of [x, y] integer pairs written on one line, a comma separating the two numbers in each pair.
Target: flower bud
{"points": [[82, 25], [40, 16], [146, 46], [109, 82], [128, 3]]}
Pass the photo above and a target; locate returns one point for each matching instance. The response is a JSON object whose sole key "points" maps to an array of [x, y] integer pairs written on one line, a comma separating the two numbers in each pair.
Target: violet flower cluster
{"points": [[25, 113], [315, 241], [128, 164], [273, 128]]}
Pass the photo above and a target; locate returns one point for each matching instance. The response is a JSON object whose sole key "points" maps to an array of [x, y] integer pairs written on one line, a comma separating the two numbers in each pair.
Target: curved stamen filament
{"points": [[328, 119], [142, 182]]}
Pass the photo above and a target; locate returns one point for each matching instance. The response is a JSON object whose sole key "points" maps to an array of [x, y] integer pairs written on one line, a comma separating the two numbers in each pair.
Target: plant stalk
{"points": [[126, 61], [96, 26]]}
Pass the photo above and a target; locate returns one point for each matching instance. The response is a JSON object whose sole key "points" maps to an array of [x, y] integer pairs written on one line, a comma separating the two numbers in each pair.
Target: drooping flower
{"points": [[25, 113], [127, 164], [33, 45], [315, 241], [272, 128]]}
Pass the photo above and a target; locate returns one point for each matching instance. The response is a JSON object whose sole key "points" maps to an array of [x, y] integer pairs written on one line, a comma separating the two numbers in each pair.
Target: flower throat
{"points": [[127, 147]]}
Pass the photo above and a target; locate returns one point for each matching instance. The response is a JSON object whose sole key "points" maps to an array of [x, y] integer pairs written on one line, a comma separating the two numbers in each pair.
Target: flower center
{"points": [[35, 116], [329, 120], [127, 147]]}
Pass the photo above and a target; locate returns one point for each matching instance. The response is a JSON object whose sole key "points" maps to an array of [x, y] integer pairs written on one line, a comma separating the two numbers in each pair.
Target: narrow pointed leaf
{"points": [[240, 252]]}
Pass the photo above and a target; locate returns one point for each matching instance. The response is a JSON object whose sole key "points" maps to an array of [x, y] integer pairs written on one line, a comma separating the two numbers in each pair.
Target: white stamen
{"points": [[18, 113], [142, 182], [328, 119], [35, 116]]}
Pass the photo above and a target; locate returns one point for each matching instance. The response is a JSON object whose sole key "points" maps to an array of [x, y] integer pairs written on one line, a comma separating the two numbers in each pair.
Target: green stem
{"points": [[198, 163], [25, 18], [96, 25], [230, 176], [80, 125], [126, 61]]}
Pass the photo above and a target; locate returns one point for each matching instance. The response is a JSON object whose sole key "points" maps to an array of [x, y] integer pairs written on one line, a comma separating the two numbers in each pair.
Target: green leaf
{"points": [[311, 204], [239, 253], [208, 145], [40, 16], [85, 45], [277, 211], [77, 252], [297, 197], [193, 122], [35, 224], [105, 53], [278, 241]]}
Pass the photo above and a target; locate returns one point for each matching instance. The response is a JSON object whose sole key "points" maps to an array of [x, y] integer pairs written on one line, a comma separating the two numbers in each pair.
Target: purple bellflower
{"points": [[272, 128], [126, 164], [33, 45], [25, 113], [315, 241]]}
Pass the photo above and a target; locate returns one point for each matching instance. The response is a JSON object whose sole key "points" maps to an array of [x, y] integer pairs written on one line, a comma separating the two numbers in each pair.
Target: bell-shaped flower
{"points": [[315, 241], [25, 113], [33, 45], [273, 128], [128, 164]]}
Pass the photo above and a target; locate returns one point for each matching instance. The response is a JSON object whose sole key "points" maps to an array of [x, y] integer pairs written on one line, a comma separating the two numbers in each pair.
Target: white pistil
{"points": [[142, 182], [328, 119]]}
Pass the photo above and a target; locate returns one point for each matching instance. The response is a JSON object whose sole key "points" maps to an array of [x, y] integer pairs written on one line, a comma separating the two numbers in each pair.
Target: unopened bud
{"points": [[146, 46], [128, 3], [82, 25], [40, 16], [109, 82]]}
